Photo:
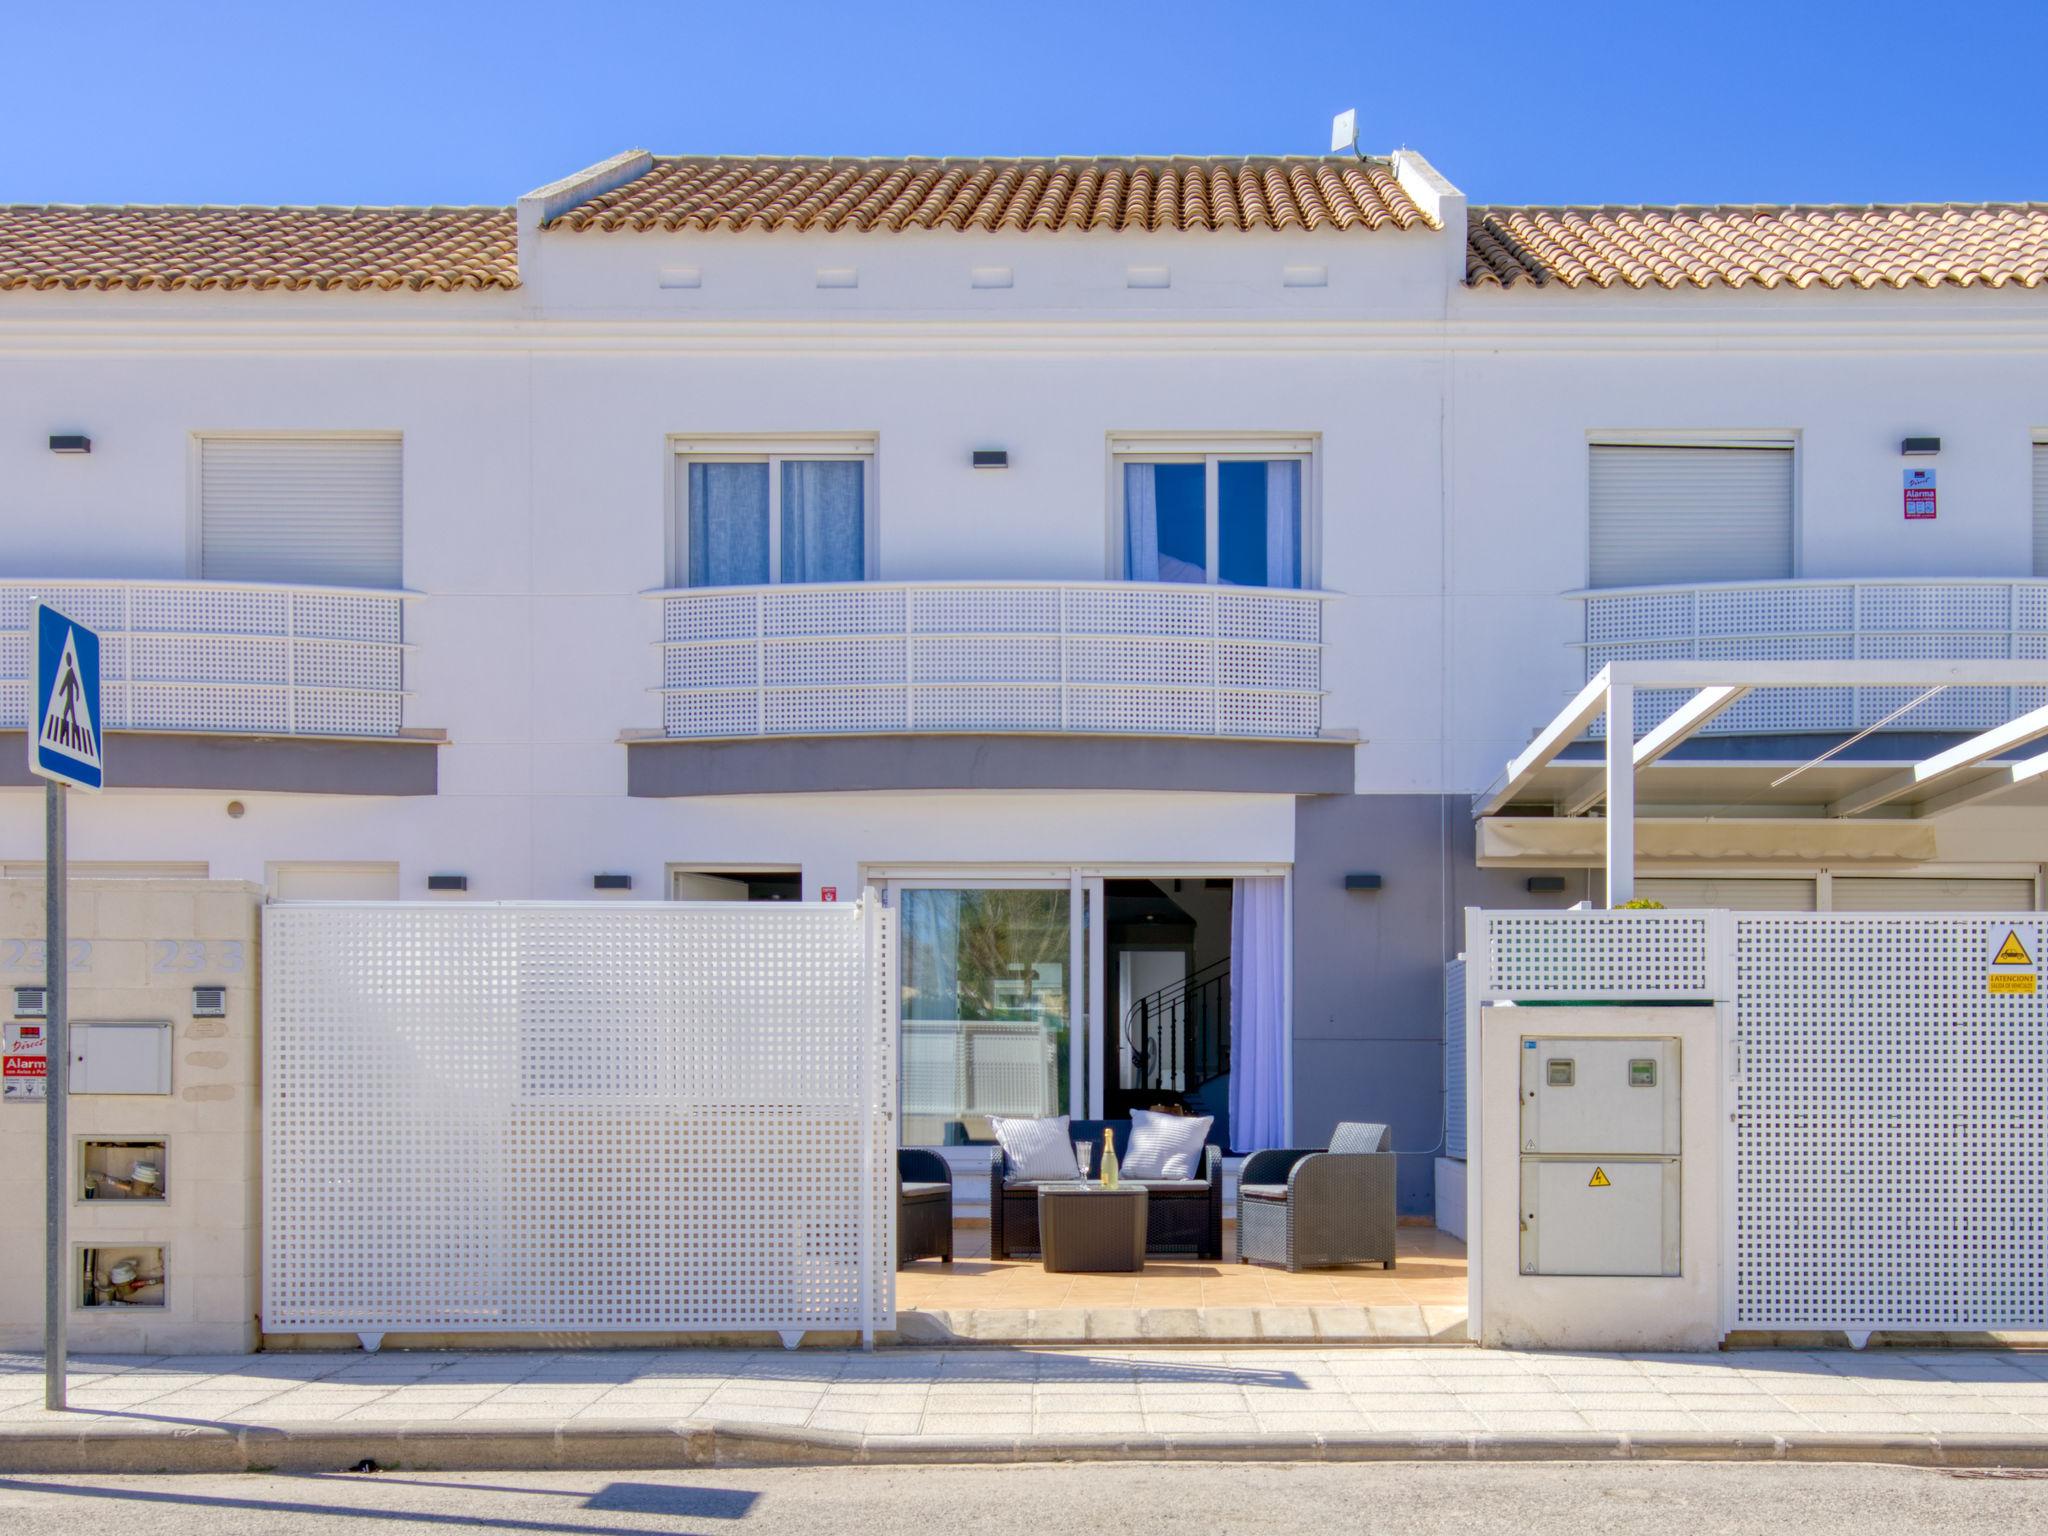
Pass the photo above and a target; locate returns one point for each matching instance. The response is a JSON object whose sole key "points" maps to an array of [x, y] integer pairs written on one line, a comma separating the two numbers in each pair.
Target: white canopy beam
{"points": [[2031, 726], [2008, 776], [1660, 739], [1583, 710]]}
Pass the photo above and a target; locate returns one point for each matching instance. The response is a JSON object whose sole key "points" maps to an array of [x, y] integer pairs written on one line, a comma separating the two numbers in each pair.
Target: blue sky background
{"points": [[370, 102]]}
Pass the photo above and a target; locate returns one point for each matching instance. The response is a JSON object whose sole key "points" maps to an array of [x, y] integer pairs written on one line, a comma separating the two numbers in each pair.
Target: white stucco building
{"points": [[1120, 562]]}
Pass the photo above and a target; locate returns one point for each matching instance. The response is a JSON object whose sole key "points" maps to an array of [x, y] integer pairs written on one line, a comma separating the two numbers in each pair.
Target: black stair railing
{"points": [[1180, 1035]]}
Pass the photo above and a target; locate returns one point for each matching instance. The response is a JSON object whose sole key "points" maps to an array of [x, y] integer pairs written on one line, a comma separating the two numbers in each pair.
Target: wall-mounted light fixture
{"points": [[612, 882], [1361, 882], [70, 442], [991, 458], [1544, 885], [1920, 447], [447, 882]]}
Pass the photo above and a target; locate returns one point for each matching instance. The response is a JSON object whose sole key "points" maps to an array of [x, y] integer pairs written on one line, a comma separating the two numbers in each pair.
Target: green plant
{"points": [[1640, 904]]}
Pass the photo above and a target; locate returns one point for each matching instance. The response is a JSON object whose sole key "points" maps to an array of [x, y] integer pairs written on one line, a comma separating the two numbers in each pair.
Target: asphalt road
{"points": [[1402, 1500]]}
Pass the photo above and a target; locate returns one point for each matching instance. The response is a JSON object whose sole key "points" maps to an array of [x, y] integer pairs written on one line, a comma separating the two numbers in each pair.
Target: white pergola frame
{"points": [[1718, 684]]}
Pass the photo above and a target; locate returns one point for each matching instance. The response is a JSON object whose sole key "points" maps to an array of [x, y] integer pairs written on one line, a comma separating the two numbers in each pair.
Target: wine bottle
{"points": [[1108, 1161]]}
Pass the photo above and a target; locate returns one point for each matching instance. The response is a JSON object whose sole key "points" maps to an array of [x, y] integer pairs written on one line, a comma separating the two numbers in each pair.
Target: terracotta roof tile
{"points": [[1923, 245], [290, 248], [1144, 193]]}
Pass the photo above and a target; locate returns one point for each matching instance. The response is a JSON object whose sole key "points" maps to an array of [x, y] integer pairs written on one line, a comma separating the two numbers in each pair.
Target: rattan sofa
{"points": [[1183, 1216], [1315, 1209], [924, 1207]]}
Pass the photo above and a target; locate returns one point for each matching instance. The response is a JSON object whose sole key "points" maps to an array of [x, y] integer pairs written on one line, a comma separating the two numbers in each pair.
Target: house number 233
{"points": [[220, 955]]}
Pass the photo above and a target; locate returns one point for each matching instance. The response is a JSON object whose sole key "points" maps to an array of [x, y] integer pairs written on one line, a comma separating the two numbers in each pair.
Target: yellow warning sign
{"points": [[1599, 1180], [2012, 951], [2011, 983]]}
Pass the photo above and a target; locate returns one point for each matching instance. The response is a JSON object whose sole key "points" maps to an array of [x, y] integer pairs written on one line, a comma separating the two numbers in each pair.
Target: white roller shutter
{"points": [[1736, 895], [2041, 509], [1663, 514], [319, 510], [1919, 893]]}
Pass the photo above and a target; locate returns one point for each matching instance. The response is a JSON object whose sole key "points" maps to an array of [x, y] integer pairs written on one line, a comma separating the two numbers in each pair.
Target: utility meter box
{"points": [[1614, 1097], [1582, 1217], [1601, 1170], [120, 1058]]}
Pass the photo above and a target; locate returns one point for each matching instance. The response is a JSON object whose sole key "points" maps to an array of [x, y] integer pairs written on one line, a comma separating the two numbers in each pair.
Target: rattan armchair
{"points": [[1315, 1209], [924, 1206]]}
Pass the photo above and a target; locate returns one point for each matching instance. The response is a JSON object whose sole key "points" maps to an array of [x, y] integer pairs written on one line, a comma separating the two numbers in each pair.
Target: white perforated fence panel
{"points": [[214, 657], [1893, 1116], [1596, 956], [578, 1117], [1826, 621], [1890, 1110], [998, 656]]}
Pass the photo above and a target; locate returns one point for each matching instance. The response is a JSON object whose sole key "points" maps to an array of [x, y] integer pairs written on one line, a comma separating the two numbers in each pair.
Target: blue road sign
{"points": [[64, 711]]}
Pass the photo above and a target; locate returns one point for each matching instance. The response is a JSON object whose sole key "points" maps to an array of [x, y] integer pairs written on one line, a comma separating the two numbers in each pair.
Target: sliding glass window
{"points": [[1221, 519], [748, 520]]}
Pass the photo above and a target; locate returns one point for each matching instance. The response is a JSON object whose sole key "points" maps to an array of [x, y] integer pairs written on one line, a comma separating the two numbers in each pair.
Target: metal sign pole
{"points": [[57, 1095]]}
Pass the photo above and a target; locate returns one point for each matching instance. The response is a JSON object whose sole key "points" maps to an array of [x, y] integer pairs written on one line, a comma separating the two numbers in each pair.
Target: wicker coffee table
{"points": [[1086, 1229]]}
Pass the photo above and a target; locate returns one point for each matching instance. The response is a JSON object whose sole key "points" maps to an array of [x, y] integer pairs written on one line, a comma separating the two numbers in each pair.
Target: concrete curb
{"points": [[638, 1444]]}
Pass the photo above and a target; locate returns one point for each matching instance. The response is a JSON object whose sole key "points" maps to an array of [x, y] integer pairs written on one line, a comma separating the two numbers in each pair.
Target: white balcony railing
{"points": [[1123, 657], [1933, 619], [231, 658]]}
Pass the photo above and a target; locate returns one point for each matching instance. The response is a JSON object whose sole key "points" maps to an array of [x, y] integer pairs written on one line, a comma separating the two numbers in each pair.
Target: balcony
{"points": [[1011, 657], [228, 667], [1945, 619]]}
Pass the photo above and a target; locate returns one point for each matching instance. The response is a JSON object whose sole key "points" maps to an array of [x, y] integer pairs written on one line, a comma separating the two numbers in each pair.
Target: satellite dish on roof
{"points": [[1344, 131]]}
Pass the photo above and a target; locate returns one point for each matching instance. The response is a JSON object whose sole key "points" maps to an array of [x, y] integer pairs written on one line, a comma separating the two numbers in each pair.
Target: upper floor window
{"points": [[1687, 512], [787, 513], [2041, 509], [322, 510], [1231, 518]]}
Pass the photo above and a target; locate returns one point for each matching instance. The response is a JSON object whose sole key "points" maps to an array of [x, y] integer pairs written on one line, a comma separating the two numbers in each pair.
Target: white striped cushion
{"points": [[1166, 1146], [1035, 1149]]}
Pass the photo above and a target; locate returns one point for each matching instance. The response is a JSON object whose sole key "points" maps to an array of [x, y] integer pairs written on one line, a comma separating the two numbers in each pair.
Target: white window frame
{"points": [[1211, 451], [1732, 437], [774, 452], [195, 479]]}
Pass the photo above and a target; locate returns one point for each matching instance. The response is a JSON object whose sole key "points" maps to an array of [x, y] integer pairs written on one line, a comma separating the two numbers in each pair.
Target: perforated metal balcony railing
{"points": [[1934, 619], [229, 658], [1118, 657]]}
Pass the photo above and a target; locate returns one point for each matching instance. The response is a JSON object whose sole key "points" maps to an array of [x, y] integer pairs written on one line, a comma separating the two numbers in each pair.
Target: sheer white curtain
{"points": [[1283, 523], [728, 532], [824, 520], [1141, 523], [1258, 1012]]}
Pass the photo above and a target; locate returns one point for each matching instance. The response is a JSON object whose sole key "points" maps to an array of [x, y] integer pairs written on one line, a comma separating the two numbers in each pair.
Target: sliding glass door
{"points": [[996, 1002]]}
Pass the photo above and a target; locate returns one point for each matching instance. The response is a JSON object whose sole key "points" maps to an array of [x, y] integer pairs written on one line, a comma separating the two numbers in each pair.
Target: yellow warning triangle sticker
{"points": [[1599, 1180], [2012, 951]]}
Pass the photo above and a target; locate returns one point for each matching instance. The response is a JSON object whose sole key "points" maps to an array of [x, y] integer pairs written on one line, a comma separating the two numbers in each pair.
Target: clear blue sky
{"points": [[368, 102]]}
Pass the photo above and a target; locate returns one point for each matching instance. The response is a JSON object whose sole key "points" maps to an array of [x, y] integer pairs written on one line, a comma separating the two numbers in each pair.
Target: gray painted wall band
{"points": [[249, 764], [1368, 966], [825, 764]]}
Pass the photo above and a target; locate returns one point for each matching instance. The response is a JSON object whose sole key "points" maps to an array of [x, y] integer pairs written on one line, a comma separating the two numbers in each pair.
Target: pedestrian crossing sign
{"points": [[64, 740]]}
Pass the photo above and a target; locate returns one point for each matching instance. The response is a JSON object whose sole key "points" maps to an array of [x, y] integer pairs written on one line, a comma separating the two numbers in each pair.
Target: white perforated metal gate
{"points": [[583, 1117], [1888, 1158]]}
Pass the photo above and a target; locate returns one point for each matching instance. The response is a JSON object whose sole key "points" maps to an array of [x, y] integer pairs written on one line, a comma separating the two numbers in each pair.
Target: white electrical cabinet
{"points": [[120, 1058], [1601, 1171]]}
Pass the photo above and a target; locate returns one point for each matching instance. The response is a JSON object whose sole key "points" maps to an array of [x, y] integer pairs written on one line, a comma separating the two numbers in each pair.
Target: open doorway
{"points": [[1166, 976], [720, 883]]}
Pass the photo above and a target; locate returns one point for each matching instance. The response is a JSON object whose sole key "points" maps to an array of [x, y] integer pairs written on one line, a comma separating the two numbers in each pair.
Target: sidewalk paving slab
{"points": [[470, 1410]]}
